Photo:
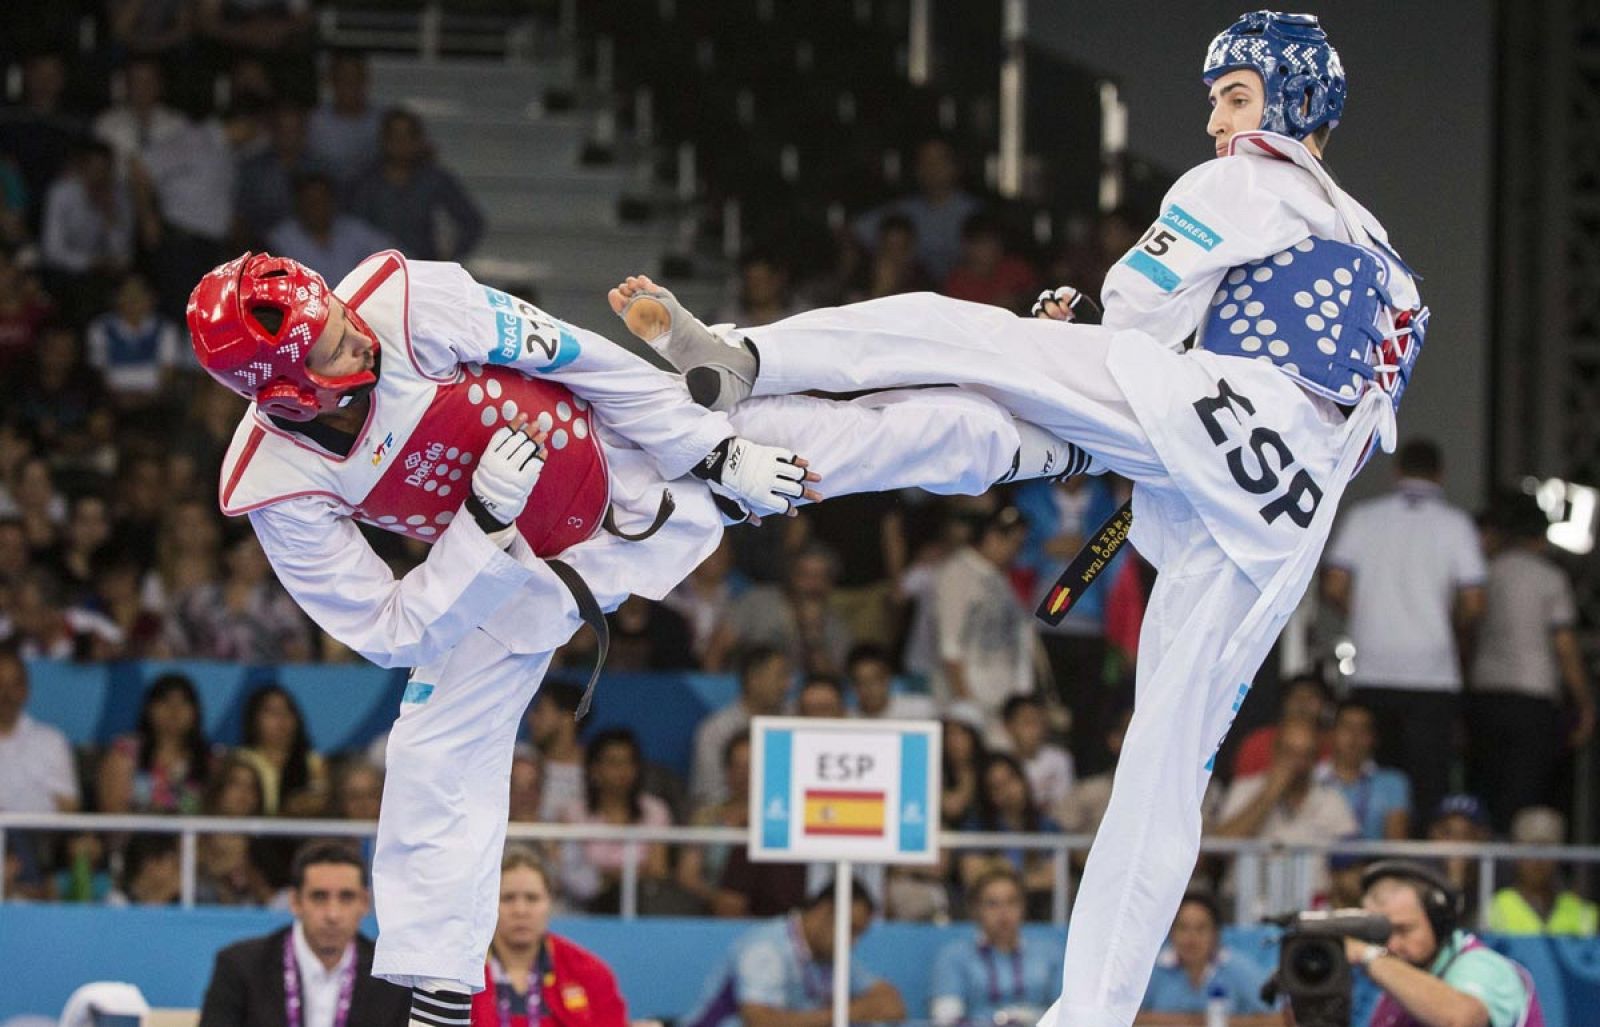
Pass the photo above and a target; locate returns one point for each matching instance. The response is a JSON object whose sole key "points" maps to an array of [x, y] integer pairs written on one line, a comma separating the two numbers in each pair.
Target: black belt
{"points": [[664, 510], [591, 614]]}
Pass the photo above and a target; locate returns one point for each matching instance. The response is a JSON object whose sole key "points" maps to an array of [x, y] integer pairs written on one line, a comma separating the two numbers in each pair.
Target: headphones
{"points": [[1442, 904]]}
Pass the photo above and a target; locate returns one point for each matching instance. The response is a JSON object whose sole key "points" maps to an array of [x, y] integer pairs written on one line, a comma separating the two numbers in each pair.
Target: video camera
{"points": [[1312, 969]]}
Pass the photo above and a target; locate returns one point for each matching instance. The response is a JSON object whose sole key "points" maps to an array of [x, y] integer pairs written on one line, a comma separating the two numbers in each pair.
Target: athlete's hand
{"points": [[508, 470], [763, 479], [1066, 304]]}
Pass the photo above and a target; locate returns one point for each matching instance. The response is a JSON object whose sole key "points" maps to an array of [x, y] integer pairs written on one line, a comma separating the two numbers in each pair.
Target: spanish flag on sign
{"points": [[855, 814]]}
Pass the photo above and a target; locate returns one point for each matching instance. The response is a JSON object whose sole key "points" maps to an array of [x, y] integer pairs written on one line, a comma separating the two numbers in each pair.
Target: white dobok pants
{"points": [[436, 871], [1237, 472]]}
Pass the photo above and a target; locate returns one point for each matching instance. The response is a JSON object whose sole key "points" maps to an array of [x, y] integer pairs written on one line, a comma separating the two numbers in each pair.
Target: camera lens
{"points": [[1313, 964]]}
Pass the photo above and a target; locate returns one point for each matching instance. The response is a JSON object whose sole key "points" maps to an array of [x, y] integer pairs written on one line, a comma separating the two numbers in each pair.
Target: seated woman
{"points": [[294, 779], [996, 975], [1194, 964], [163, 767], [228, 871], [613, 768], [535, 978], [1005, 805]]}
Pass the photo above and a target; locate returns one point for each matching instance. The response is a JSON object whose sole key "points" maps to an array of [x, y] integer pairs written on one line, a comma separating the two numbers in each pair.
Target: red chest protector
{"points": [[411, 466]]}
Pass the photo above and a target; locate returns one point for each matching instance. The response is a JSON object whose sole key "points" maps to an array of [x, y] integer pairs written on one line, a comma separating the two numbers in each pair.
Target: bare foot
{"points": [[647, 318]]}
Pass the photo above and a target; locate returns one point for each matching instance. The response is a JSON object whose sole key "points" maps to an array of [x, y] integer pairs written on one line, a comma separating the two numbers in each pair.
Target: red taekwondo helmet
{"points": [[253, 321]]}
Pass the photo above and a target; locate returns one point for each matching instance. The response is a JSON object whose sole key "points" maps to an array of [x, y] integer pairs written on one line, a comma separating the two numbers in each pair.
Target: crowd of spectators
{"points": [[904, 605]]}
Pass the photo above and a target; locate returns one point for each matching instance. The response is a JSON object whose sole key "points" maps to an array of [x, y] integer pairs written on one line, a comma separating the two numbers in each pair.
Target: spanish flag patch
{"points": [[842, 813]]}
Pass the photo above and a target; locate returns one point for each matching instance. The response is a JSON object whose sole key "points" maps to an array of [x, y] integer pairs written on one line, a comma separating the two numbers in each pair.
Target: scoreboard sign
{"points": [[858, 790]]}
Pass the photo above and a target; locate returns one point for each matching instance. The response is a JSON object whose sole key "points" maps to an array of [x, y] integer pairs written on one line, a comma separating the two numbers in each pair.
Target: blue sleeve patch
{"points": [[416, 692], [1164, 277], [1191, 227], [527, 336]]}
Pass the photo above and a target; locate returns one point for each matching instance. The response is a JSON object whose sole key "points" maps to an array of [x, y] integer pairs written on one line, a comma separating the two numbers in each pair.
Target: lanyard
{"points": [[503, 990], [819, 992], [1019, 988], [292, 1004]]}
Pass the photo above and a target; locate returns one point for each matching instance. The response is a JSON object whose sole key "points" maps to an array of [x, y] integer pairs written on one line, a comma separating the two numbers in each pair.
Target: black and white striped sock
{"points": [[440, 1008]]}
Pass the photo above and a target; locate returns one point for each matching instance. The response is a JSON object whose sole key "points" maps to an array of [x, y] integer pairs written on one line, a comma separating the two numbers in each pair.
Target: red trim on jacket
{"points": [[579, 991]]}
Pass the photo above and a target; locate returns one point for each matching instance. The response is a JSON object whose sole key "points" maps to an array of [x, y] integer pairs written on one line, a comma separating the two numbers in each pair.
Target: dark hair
{"points": [[143, 849], [980, 751], [1003, 521], [566, 697], [304, 180], [753, 659], [395, 114], [1420, 458], [1517, 514], [826, 681], [1016, 703], [219, 781], [823, 895], [1312, 680], [988, 813], [980, 223], [896, 222], [1353, 704], [591, 756], [297, 769], [995, 871], [11, 652], [867, 652], [194, 740], [742, 738], [321, 852], [1206, 901]]}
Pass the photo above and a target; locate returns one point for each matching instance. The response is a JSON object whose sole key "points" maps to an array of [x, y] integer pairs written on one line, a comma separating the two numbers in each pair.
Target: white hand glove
{"points": [[507, 472], [764, 479]]}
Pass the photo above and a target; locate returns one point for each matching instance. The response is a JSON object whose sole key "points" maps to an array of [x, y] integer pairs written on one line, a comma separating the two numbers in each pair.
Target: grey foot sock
{"points": [[719, 372]]}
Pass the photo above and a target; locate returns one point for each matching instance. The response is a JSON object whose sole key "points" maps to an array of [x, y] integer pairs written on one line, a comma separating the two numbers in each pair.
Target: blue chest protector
{"points": [[1321, 312]]}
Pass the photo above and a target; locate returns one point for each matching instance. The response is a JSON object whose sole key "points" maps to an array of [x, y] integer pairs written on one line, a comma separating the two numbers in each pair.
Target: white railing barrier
{"points": [[1248, 853]]}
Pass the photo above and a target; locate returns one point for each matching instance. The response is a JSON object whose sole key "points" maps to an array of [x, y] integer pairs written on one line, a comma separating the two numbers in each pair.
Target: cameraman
{"points": [[1432, 972]]}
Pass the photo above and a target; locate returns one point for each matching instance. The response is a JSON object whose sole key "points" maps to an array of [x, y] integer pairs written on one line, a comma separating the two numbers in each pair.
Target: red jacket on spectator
{"points": [[579, 991]]}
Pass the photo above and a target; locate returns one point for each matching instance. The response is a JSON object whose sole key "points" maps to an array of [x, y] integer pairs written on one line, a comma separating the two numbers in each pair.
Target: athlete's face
{"points": [[341, 349], [1237, 103]]}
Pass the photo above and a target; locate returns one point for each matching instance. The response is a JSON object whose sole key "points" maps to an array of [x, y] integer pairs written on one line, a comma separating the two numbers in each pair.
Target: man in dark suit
{"points": [[316, 972]]}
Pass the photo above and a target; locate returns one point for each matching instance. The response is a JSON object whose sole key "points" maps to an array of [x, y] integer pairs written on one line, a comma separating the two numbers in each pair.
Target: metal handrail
{"points": [[1248, 850]]}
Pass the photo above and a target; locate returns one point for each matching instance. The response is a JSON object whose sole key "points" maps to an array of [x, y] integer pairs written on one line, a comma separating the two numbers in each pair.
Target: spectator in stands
{"points": [[152, 874], [963, 755], [1195, 966], [527, 785], [764, 677], [700, 867], [151, 26], [87, 236], [648, 636], [76, 557], [39, 505], [86, 877], [143, 501], [1049, 766], [796, 618], [247, 616], [358, 795], [38, 133], [45, 628], [987, 273], [183, 188], [1409, 558], [985, 638], [264, 189], [14, 230], [329, 242], [1379, 797], [322, 958], [1461, 818], [406, 195], [1527, 658], [14, 557], [784, 967], [614, 793], [1306, 700], [275, 35], [140, 119], [871, 675], [293, 776], [937, 210], [195, 454], [892, 267], [995, 975], [1286, 804], [1085, 806], [705, 598], [64, 403], [135, 348], [37, 773], [117, 596], [553, 728], [1432, 970], [343, 131], [188, 549], [533, 977], [229, 870], [24, 311], [820, 695], [163, 766], [763, 291], [1006, 805], [1536, 903]]}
